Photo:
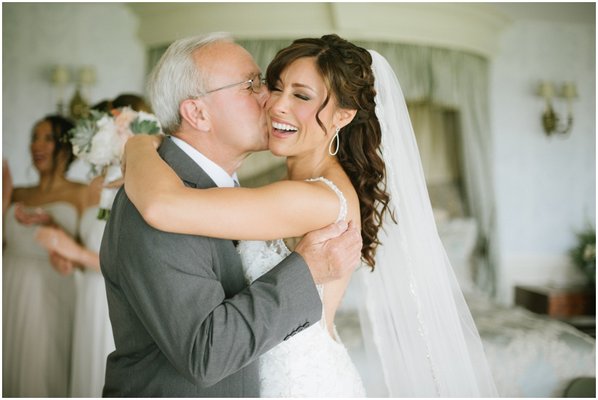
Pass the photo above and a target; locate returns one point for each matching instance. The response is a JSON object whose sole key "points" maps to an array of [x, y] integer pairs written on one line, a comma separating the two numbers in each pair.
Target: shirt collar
{"points": [[214, 171]]}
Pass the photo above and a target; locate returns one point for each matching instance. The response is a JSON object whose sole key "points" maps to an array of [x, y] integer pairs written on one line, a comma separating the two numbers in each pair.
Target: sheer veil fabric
{"points": [[414, 316]]}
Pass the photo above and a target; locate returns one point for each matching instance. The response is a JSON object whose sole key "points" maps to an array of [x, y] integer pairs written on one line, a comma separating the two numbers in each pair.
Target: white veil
{"points": [[415, 314]]}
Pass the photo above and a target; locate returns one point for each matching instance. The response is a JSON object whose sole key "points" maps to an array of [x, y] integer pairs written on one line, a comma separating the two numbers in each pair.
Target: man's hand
{"points": [[331, 252]]}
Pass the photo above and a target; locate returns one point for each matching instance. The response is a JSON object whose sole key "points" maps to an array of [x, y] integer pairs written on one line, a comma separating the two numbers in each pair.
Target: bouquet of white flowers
{"points": [[100, 140]]}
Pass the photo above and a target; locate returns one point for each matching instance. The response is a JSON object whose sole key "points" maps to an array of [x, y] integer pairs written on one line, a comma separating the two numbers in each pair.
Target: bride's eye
{"points": [[302, 97]]}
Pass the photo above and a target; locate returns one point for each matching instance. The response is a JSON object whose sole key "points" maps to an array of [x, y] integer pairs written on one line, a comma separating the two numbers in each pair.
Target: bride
{"points": [[338, 116]]}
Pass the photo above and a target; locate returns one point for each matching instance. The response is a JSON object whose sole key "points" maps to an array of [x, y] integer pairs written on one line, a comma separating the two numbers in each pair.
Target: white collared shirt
{"points": [[214, 171]]}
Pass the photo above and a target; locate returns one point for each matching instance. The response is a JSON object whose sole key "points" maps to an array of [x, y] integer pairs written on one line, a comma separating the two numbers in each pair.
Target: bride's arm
{"points": [[281, 209]]}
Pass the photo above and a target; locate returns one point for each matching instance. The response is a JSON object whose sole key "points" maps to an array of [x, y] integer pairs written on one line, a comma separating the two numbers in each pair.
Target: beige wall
{"points": [[465, 26]]}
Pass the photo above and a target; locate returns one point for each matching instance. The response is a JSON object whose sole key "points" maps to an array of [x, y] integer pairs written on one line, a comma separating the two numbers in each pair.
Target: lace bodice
{"points": [[311, 363], [259, 256]]}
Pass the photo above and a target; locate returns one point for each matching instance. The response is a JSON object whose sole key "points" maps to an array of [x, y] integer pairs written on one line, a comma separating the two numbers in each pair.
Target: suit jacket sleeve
{"points": [[170, 281]]}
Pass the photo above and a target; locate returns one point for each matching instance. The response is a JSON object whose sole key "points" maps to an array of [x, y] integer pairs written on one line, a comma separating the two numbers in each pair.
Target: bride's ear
{"points": [[195, 113], [343, 117]]}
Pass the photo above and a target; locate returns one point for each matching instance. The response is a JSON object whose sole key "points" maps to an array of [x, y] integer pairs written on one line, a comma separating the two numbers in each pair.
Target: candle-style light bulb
{"points": [[87, 75], [60, 75], [546, 90]]}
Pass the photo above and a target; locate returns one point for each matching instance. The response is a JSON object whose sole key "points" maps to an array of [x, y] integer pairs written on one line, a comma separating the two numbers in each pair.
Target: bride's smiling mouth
{"points": [[282, 130]]}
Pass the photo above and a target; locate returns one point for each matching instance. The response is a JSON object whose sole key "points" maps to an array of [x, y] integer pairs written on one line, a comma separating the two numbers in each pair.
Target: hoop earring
{"points": [[333, 153]]}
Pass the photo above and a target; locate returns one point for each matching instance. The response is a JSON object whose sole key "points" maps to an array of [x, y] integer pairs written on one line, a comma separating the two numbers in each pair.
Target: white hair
{"points": [[176, 77]]}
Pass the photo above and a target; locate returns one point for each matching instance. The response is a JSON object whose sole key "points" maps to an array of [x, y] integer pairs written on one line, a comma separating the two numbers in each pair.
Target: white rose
{"points": [[77, 151], [105, 144]]}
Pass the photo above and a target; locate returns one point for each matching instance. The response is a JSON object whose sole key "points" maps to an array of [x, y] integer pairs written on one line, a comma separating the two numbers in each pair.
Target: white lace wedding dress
{"points": [[311, 363]]}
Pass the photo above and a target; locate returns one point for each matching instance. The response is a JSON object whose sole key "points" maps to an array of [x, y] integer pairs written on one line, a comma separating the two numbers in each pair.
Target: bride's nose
{"points": [[277, 104]]}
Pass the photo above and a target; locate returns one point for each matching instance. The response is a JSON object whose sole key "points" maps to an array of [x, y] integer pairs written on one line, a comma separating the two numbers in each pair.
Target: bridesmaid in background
{"points": [[37, 302], [92, 337]]}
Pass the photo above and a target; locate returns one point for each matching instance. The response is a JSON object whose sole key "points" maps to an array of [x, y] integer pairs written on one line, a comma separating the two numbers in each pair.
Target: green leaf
{"points": [[145, 126]]}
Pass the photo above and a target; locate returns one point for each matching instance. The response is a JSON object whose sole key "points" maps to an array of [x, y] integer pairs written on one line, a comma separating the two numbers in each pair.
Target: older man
{"points": [[185, 322]]}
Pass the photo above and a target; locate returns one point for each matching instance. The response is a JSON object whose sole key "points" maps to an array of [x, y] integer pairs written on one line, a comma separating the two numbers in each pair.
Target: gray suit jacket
{"points": [[185, 322]]}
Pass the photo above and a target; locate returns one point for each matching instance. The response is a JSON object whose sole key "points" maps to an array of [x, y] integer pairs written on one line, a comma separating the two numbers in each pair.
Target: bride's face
{"points": [[293, 106]]}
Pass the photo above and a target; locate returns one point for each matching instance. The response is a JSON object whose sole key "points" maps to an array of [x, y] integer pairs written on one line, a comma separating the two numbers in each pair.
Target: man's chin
{"points": [[260, 147]]}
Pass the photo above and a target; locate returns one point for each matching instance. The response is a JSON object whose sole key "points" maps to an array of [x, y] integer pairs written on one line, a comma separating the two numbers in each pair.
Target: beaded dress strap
{"points": [[342, 212]]}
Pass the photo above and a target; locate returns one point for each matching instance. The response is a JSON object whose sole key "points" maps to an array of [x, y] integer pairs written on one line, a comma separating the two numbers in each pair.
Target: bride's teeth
{"points": [[283, 127]]}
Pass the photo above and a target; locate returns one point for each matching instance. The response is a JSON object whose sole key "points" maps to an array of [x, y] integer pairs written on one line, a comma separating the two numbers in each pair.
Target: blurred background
{"points": [[510, 184]]}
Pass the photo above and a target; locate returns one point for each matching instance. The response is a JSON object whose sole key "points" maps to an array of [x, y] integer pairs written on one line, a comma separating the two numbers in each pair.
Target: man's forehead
{"points": [[226, 56], [222, 51]]}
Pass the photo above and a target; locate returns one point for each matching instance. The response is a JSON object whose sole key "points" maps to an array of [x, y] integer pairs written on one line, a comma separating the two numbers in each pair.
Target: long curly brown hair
{"points": [[347, 73]]}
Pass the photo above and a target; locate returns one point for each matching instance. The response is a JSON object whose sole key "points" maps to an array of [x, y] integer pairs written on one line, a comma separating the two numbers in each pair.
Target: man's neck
{"points": [[223, 157]]}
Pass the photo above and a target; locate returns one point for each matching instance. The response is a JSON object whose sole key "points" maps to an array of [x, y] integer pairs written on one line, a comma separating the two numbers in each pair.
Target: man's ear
{"points": [[343, 117], [195, 113]]}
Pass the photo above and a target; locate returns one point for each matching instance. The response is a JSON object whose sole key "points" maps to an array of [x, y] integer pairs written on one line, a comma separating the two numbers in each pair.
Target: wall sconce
{"points": [[550, 120], [61, 77], [79, 105]]}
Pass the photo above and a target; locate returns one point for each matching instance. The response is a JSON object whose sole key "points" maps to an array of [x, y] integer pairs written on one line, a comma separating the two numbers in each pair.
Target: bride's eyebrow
{"points": [[303, 86]]}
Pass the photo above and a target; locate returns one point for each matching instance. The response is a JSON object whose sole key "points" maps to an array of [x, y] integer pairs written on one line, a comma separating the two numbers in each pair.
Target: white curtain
{"points": [[437, 141], [457, 80]]}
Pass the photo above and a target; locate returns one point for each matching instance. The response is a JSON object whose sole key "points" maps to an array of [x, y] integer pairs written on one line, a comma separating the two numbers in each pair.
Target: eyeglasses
{"points": [[254, 84]]}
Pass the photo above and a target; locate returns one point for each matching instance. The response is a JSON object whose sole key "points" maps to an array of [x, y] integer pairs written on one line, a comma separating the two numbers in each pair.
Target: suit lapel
{"points": [[232, 277], [187, 169]]}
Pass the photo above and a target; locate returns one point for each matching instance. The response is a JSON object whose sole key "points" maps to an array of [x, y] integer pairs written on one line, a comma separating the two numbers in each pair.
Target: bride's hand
{"points": [[137, 140], [56, 240]]}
